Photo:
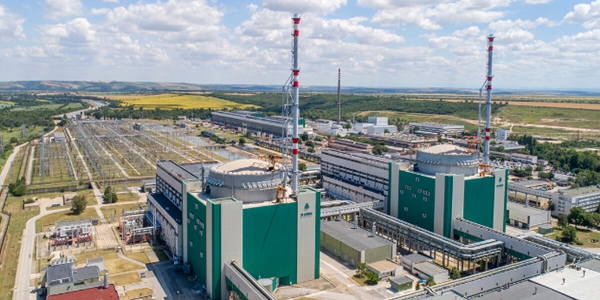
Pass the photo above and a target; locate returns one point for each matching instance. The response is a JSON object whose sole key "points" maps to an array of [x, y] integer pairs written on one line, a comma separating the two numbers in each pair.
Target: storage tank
{"points": [[448, 159]]}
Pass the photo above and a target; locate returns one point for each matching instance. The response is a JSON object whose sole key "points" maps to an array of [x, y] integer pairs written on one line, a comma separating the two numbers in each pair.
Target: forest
{"points": [[33, 110]]}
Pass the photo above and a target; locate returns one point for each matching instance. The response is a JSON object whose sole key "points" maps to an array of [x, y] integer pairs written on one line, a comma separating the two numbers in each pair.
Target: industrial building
{"points": [[524, 158], [435, 128], [502, 134], [401, 283], [73, 228], [403, 140], [244, 215], [246, 120], [349, 145], [587, 198], [526, 217], [447, 183], [356, 176], [63, 277], [165, 205], [375, 125], [355, 245]]}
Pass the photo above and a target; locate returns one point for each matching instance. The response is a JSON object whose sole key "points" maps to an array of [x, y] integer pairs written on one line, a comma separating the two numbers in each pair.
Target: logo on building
{"points": [[306, 206]]}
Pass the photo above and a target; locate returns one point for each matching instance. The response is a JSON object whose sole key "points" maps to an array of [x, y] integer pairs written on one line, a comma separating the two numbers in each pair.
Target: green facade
{"points": [[479, 200], [416, 203], [197, 235], [270, 244]]}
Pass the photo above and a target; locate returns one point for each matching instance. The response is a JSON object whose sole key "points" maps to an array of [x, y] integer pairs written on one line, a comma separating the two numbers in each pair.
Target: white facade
{"points": [[524, 158], [73, 228], [502, 134], [378, 120], [430, 127], [379, 129], [587, 198]]}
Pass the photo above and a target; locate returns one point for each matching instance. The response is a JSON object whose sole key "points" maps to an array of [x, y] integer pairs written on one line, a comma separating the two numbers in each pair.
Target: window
{"points": [[195, 227], [405, 208], [191, 244], [201, 232], [414, 195], [201, 254], [196, 205], [425, 199], [402, 192], [424, 215], [419, 191], [417, 179]]}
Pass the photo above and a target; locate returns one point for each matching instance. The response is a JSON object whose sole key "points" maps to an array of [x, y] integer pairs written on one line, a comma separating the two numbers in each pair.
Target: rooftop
{"points": [[383, 265], [592, 264], [183, 171], [530, 183], [73, 222], [430, 268], [576, 285], [59, 134], [243, 166], [57, 272], [358, 239], [96, 293], [446, 149], [415, 258], [401, 279], [86, 273], [526, 290], [168, 206], [520, 209], [581, 191]]}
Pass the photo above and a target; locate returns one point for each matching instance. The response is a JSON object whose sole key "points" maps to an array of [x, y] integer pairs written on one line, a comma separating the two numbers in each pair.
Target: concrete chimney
{"points": [[526, 200], [373, 229], [355, 221], [105, 284], [340, 217]]}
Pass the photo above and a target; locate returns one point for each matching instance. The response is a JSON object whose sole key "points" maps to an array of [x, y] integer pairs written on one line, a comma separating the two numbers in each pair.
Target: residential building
{"points": [[587, 198], [502, 134]]}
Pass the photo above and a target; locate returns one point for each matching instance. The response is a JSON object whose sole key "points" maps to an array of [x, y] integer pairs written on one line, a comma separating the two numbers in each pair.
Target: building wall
{"points": [[341, 250], [197, 254], [308, 243], [270, 248], [433, 203], [378, 254]]}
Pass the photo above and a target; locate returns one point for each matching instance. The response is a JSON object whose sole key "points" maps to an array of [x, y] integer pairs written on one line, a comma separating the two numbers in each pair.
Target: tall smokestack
{"points": [[105, 283], [488, 100], [295, 106], [339, 97]]}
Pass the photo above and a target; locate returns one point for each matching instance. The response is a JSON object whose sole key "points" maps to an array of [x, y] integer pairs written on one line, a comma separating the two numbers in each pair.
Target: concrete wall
{"points": [[307, 245], [378, 254], [341, 250]]}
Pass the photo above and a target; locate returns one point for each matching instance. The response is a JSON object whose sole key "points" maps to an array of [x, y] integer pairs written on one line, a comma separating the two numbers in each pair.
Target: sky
{"points": [[540, 44]]}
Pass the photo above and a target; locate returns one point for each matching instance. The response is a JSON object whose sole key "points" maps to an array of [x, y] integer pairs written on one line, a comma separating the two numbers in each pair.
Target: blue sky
{"points": [[540, 44]]}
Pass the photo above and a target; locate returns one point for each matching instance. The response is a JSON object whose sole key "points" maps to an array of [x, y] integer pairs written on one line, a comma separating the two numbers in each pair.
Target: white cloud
{"points": [[588, 14], [58, 9], [433, 14], [99, 11], [111, 1], [534, 2], [11, 25], [303, 6], [508, 31]]}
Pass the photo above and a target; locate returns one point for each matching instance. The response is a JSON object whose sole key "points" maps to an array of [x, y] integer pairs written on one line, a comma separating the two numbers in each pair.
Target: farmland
{"points": [[182, 101]]}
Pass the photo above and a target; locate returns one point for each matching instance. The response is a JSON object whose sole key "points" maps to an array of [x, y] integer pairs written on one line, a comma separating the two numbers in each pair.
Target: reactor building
{"points": [[447, 182], [244, 214]]}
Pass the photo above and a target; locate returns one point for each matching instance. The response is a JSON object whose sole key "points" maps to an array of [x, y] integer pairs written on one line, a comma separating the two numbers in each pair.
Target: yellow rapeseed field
{"points": [[172, 101]]}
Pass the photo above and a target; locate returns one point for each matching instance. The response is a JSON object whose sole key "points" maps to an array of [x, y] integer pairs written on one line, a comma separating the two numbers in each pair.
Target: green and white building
{"points": [[239, 217], [443, 185]]}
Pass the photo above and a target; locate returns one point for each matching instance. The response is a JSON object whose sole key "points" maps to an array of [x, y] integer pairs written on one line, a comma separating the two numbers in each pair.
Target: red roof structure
{"points": [[96, 293]]}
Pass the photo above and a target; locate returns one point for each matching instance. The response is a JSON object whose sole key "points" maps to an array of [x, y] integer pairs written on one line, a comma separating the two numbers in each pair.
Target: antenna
{"points": [[339, 97], [488, 100]]}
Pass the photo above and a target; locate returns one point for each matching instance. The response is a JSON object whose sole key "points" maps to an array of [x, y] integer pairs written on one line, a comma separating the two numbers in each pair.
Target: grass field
{"points": [[16, 132], [421, 118], [139, 256], [171, 101], [582, 118], [123, 279], [70, 106], [583, 235], [137, 293]]}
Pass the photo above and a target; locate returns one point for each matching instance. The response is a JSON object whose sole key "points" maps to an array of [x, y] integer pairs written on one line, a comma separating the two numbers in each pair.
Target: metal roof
{"points": [[430, 268], [581, 191], [74, 222], [95, 293], [359, 239], [168, 206], [401, 279], [415, 258], [86, 273], [526, 290], [60, 271]]}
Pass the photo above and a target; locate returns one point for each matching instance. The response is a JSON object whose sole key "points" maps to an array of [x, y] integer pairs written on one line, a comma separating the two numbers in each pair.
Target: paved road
{"points": [[22, 288], [8, 164]]}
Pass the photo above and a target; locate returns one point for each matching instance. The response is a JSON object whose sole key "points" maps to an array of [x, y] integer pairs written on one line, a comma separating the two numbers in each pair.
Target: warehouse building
{"points": [[401, 283], [587, 198], [244, 218], [447, 183], [356, 176], [374, 125], [435, 128], [526, 217], [353, 244], [253, 121], [524, 158]]}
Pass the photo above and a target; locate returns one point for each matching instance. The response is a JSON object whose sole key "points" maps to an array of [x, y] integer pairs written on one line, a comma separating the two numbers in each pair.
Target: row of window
{"points": [[423, 215]]}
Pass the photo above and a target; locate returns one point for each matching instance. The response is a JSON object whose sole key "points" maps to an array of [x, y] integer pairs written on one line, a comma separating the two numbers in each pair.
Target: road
{"points": [[8, 164]]}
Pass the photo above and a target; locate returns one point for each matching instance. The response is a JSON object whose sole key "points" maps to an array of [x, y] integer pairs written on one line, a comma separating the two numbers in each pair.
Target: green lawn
{"points": [[70, 106], [7, 134], [583, 118], [583, 235]]}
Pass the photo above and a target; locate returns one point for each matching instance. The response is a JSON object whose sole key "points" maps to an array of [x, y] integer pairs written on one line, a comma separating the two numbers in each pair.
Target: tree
{"points": [[242, 141], [429, 281], [418, 287], [454, 273], [318, 138], [304, 136], [348, 125], [309, 143], [372, 278], [361, 270], [569, 234], [248, 134], [109, 195], [18, 188], [563, 221], [539, 168], [577, 216], [311, 150], [386, 131], [302, 167], [79, 204], [14, 140]]}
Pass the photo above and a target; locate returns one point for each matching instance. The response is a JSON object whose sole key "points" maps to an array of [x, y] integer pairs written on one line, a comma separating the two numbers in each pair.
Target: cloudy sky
{"points": [[540, 44]]}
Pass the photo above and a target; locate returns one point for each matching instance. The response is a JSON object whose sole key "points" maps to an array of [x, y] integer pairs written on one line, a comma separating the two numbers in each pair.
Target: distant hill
{"points": [[124, 87]]}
